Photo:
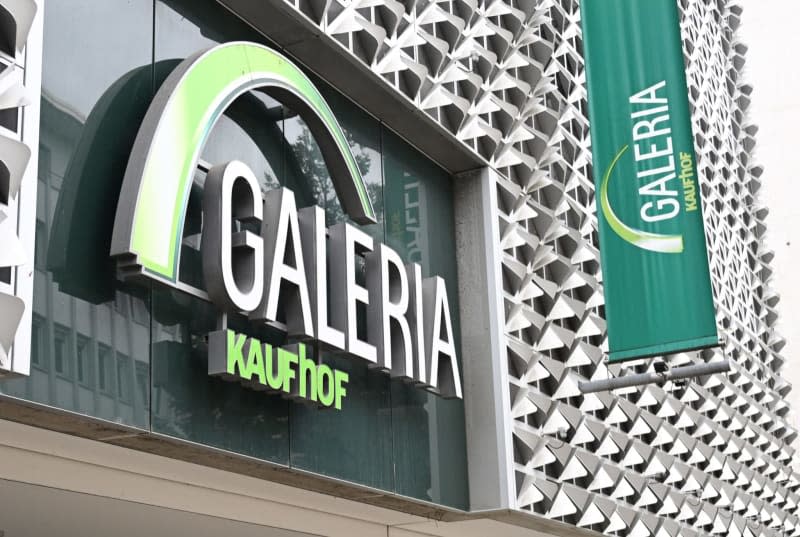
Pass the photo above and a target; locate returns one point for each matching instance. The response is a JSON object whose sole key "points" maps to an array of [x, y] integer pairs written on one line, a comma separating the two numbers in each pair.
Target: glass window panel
{"points": [[383, 423], [124, 378], [429, 434], [142, 382], [189, 404], [87, 324], [40, 252], [105, 369], [251, 130], [97, 82], [354, 443], [305, 171], [83, 360], [364, 135], [361, 432], [61, 351], [37, 341]]}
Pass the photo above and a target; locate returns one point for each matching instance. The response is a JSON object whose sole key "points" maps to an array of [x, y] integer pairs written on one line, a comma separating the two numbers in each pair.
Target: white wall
{"points": [[770, 29]]}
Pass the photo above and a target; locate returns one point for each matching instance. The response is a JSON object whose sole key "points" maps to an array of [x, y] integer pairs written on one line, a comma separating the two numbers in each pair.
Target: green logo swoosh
{"points": [[654, 242], [152, 206]]}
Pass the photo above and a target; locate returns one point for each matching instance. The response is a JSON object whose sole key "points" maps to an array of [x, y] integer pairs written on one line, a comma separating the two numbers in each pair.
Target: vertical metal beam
{"points": [[486, 392]]}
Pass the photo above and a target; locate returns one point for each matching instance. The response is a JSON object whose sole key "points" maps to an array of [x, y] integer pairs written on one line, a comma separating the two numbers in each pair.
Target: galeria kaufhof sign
{"points": [[656, 280], [265, 258]]}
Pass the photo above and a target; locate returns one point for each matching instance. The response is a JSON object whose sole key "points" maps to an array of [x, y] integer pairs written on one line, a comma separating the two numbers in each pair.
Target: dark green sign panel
{"points": [[652, 242]]}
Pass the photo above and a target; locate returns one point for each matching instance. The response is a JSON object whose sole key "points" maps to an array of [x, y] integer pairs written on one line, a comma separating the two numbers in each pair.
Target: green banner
{"points": [[652, 242]]}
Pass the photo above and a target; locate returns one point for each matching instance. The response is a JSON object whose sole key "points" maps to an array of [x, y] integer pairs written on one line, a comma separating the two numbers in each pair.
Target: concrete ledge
{"points": [[387, 509], [61, 421]]}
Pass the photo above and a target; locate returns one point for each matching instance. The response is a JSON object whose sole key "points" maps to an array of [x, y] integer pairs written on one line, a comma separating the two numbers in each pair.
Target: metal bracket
{"points": [[678, 373]]}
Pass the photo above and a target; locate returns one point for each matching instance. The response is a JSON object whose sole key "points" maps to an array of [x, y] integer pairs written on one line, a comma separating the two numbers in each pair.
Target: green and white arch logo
{"points": [[155, 190], [654, 242], [279, 275], [662, 174]]}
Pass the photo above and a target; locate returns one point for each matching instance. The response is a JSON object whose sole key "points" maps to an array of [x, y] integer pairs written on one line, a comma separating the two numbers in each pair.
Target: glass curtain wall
{"points": [[136, 354]]}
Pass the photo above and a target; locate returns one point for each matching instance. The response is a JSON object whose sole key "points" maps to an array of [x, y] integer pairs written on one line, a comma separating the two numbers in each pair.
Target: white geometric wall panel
{"points": [[709, 457], [20, 81]]}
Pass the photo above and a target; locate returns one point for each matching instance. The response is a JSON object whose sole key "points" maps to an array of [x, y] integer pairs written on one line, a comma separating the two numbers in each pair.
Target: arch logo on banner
{"points": [[652, 240], [280, 274]]}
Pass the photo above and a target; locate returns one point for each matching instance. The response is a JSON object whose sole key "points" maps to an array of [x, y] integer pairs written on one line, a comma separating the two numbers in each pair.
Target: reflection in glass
{"points": [[77, 252], [189, 404], [355, 443], [420, 225], [389, 435], [105, 369], [307, 173], [61, 350], [251, 130], [83, 359], [89, 115], [92, 341]]}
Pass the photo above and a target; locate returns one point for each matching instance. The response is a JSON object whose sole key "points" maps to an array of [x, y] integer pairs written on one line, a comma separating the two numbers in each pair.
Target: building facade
{"points": [[468, 121]]}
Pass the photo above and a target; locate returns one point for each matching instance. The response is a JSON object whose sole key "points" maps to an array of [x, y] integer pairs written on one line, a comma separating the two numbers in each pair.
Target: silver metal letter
{"points": [[313, 233], [285, 269], [444, 376], [233, 261], [346, 243], [415, 317], [387, 326]]}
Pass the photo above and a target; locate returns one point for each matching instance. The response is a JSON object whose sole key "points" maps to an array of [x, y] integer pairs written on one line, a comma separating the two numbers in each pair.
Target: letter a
{"points": [[650, 95], [285, 270], [444, 375]]}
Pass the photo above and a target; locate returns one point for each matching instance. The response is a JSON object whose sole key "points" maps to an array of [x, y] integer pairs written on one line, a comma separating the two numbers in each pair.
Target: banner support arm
{"points": [[678, 373]]}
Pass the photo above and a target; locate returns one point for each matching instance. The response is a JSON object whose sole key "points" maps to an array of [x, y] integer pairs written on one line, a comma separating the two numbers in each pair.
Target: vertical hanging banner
{"points": [[652, 242]]}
